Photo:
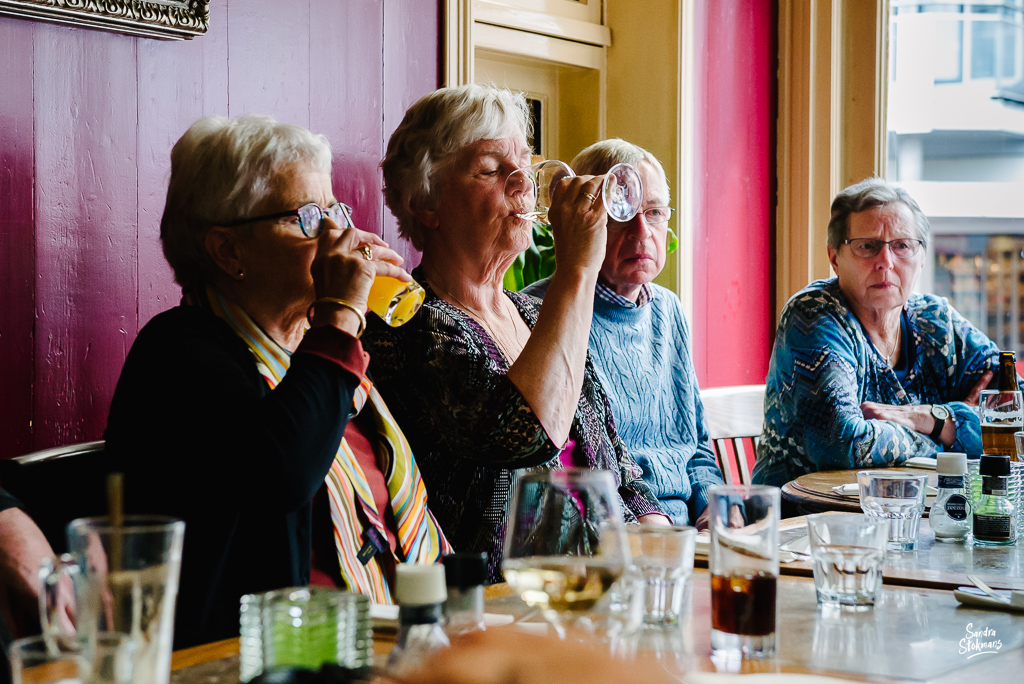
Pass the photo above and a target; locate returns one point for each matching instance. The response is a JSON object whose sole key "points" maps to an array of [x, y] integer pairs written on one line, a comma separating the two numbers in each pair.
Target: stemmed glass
{"points": [[528, 190], [566, 542]]}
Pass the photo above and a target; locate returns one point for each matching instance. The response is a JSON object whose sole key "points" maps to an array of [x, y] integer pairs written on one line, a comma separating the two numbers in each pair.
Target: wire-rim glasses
{"points": [[868, 248], [310, 217], [656, 217]]}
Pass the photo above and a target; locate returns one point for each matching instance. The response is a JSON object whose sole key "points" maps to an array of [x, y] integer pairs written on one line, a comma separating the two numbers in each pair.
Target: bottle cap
{"points": [[465, 569], [951, 463], [417, 584], [994, 464]]}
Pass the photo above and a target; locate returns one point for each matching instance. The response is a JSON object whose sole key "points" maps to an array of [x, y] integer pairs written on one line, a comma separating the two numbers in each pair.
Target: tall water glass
{"points": [[1001, 414], [744, 564], [898, 498], [125, 579], [847, 552]]}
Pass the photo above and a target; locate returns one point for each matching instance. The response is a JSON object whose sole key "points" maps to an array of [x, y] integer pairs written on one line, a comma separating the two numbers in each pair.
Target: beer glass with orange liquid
{"points": [[1002, 414], [393, 300]]}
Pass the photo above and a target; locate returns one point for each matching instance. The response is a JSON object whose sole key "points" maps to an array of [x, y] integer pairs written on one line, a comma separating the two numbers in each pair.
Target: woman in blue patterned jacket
{"points": [[864, 372]]}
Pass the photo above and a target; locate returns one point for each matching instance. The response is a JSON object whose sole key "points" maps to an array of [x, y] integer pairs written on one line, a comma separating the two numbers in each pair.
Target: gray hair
{"points": [[601, 156], [221, 169], [868, 194], [434, 130]]}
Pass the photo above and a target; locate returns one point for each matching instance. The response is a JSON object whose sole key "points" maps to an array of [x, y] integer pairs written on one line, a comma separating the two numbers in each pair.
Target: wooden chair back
{"points": [[734, 416], [58, 485]]}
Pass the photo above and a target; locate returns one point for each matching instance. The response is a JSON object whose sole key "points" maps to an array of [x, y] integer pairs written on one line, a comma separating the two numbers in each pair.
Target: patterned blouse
{"points": [[824, 367], [444, 379]]}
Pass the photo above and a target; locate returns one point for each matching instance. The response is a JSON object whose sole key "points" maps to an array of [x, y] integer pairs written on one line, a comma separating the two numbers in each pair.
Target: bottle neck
{"points": [[419, 615], [1007, 381]]}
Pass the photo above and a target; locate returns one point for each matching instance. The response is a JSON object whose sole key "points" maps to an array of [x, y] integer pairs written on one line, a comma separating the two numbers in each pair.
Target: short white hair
{"points": [[435, 129], [868, 194], [221, 169], [602, 156]]}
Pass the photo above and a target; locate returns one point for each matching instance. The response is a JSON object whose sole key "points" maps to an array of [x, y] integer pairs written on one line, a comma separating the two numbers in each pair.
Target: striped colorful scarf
{"points": [[420, 539]]}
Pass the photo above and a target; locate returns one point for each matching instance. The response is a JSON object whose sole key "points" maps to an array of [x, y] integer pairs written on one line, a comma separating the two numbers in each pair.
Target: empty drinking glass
{"points": [[847, 552], [896, 497], [662, 562]]}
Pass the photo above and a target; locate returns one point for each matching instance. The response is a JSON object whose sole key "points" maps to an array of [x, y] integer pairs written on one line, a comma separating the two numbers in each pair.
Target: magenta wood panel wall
{"points": [[735, 194], [87, 121]]}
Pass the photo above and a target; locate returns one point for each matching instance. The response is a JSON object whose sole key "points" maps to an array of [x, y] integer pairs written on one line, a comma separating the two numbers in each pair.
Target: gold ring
{"points": [[367, 252], [592, 198]]}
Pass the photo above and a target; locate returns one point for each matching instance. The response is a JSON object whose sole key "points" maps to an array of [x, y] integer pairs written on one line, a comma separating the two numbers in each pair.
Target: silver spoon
{"points": [[985, 588]]}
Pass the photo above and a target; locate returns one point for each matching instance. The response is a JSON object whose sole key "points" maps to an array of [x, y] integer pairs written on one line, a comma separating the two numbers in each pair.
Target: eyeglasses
{"points": [[868, 248], [310, 217], [655, 216]]}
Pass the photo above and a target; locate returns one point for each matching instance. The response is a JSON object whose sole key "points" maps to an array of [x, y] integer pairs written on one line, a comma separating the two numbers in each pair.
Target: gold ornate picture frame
{"points": [[168, 19]]}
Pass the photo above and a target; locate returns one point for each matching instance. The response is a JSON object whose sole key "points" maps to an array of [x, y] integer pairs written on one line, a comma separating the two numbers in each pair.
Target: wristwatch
{"points": [[941, 415]]}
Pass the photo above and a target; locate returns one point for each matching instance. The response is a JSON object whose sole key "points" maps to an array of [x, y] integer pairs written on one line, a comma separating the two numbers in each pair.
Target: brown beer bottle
{"points": [[1007, 375], [1007, 383]]}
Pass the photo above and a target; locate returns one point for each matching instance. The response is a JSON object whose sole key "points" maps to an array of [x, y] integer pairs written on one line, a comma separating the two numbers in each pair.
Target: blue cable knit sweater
{"points": [[642, 356]]}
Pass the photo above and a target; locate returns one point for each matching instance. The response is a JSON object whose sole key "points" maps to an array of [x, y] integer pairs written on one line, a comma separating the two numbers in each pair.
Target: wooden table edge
{"points": [[197, 655]]}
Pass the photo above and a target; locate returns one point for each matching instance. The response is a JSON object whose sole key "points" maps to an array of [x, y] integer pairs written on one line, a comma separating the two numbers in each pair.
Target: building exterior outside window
{"points": [[956, 142]]}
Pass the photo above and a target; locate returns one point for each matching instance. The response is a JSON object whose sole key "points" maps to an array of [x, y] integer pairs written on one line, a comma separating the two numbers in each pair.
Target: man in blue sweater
{"points": [[640, 344]]}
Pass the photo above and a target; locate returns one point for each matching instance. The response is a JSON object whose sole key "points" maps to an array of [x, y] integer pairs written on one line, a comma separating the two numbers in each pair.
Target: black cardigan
{"points": [[200, 436]]}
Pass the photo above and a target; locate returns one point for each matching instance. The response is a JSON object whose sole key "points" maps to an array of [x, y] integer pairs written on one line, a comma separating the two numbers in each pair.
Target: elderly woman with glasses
{"points": [[640, 343], [864, 372], [247, 411], [486, 382]]}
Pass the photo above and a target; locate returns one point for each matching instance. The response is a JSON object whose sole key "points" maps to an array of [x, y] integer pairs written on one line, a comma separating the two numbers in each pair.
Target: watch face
{"points": [[940, 412]]}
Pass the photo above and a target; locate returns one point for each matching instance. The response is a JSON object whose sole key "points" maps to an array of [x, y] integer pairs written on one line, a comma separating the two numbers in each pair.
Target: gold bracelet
{"points": [[342, 303]]}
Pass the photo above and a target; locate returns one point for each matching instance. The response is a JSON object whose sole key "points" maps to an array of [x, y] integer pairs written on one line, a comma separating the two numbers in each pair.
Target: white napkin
{"points": [[924, 462], [385, 616], [853, 489]]}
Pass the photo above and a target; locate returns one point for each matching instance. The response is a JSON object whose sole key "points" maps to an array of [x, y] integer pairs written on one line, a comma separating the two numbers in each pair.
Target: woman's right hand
{"points": [[579, 223], [341, 270]]}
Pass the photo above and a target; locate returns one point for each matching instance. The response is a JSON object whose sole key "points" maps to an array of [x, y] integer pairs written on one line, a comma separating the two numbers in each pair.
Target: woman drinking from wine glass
{"points": [[247, 411], [485, 381], [655, 396]]}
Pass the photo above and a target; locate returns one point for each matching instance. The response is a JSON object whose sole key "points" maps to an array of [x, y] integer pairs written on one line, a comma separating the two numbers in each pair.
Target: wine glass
{"points": [[566, 542], [528, 190]]}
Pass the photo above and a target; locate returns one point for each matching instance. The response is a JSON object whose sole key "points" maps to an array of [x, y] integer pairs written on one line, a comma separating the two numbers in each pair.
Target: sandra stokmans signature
{"points": [[979, 642]]}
